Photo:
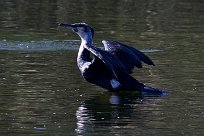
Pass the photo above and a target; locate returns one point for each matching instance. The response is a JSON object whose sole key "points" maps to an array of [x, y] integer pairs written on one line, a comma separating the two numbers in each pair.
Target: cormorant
{"points": [[109, 68]]}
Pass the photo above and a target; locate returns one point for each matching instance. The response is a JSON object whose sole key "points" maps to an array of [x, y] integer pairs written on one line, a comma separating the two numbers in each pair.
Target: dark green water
{"points": [[43, 93]]}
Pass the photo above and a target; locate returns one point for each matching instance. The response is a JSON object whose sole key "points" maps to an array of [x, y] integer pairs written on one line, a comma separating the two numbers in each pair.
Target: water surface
{"points": [[43, 93]]}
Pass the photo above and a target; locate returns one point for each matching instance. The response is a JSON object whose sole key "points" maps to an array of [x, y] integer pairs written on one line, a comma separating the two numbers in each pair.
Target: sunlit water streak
{"points": [[47, 45]]}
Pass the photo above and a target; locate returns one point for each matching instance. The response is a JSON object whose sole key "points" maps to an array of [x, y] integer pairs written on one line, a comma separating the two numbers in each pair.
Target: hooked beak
{"points": [[69, 26]]}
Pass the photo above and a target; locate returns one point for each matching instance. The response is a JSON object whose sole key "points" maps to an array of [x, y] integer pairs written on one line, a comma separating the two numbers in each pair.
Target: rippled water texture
{"points": [[43, 93]]}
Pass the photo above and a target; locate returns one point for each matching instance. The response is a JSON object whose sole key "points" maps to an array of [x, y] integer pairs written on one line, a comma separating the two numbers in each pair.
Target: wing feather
{"points": [[111, 61], [129, 56]]}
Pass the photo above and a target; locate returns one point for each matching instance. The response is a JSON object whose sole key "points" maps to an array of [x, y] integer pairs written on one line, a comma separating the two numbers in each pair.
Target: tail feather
{"points": [[153, 91]]}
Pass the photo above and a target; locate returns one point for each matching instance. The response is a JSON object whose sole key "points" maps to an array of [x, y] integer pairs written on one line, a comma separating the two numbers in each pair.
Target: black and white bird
{"points": [[109, 68]]}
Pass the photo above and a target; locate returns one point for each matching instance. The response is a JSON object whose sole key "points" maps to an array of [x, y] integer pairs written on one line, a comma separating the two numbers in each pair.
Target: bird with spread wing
{"points": [[111, 67]]}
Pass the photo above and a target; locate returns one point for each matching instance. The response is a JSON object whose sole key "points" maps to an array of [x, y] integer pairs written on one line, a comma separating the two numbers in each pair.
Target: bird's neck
{"points": [[84, 54], [87, 40]]}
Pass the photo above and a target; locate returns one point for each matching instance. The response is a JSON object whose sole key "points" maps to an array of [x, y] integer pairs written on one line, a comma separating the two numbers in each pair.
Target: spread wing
{"points": [[110, 60], [129, 56]]}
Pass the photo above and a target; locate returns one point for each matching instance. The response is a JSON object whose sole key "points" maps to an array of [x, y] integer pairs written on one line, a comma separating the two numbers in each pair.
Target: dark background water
{"points": [[43, 93]]}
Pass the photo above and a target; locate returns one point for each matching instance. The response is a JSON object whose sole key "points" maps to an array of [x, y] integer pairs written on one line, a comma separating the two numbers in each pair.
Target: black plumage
{"points": [[109, 68]]}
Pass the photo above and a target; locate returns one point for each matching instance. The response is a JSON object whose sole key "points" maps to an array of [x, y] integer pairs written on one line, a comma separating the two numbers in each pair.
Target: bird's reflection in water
{"points": [[107, 110]]}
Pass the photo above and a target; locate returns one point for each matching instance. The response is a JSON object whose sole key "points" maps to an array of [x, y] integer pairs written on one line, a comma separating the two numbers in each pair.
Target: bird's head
{"points": [[82, 29]]}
